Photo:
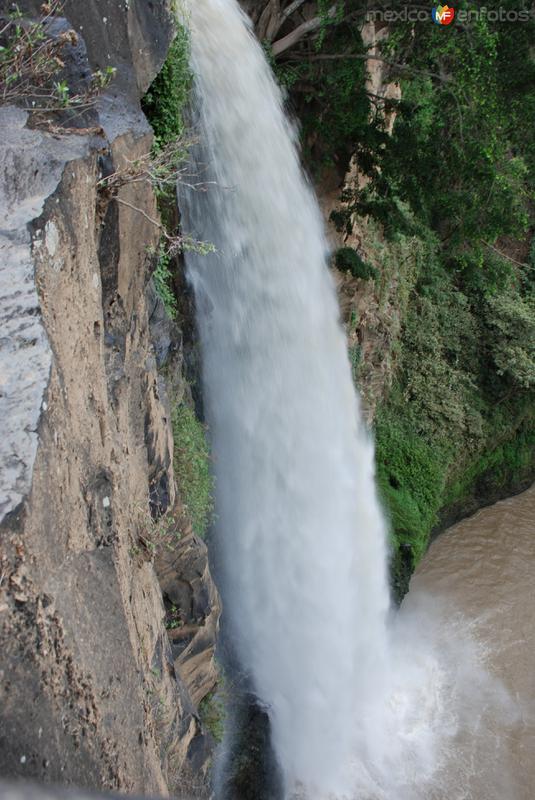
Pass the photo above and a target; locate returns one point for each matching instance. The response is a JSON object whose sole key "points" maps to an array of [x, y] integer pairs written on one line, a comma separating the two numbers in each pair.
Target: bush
{"points": [[192, 467], [32, 65], [155, 534], [347, 259], [511, 319]]}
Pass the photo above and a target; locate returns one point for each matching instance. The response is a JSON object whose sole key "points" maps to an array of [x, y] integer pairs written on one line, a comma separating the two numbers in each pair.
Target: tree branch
{"points": [[139, 211], [504, 255], [292, 8], [269, 22], [302, 30]]}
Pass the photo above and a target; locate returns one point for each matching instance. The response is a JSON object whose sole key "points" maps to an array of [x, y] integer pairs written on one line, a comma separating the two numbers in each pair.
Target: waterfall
{"points": [[298, 523], [358, 707]]}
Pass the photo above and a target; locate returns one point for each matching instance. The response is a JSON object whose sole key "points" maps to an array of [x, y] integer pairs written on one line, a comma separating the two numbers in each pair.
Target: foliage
{"points": [[192, 467], [457, 157], [355, 359], [32, 64], [347, 258], [410, 474], [449, 189], [163, 283], [212, 714], [451, 156], [507, 464], [167, 164], [511, 320], [458, 422], [438, 369], [329, 94], [155, 534], [167, 97]]}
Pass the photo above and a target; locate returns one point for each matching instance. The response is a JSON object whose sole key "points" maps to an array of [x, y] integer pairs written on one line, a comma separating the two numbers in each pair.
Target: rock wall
{"points": [[90, 692]]}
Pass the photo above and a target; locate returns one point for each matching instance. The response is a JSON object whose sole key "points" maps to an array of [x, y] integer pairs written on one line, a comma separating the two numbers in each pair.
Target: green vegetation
{"points": [[329, 94], [449, 191], [192, 467], [164, 105], [346, 258], [32, 65], [163, 282], [212, 714], [168, 95], [454, 122], [458, 425]]}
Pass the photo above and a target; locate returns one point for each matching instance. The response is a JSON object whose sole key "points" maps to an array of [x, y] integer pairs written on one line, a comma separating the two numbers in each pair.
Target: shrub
{"points": [[347, 259], [155, 534], [192, 467], [511, 319], [32, 64]]}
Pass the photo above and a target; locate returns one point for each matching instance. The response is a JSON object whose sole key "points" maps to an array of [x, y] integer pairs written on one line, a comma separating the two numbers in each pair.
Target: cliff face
{"points": [[90, 691]]}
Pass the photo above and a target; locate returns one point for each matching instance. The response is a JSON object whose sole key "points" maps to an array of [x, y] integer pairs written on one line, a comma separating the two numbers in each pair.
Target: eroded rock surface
{"points": [[89, 690]]}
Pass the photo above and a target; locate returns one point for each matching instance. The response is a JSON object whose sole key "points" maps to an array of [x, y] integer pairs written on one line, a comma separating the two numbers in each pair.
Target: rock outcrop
{"points": [[89, 690]]}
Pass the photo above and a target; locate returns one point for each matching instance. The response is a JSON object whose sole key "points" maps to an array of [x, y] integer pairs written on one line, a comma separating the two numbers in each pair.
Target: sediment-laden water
{"points": [[480, 576]]}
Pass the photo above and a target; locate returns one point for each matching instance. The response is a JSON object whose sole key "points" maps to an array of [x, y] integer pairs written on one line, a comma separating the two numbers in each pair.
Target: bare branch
{"points": [[139, 211], [269, 22], [300, 32], [508, 258], [291, 9]]}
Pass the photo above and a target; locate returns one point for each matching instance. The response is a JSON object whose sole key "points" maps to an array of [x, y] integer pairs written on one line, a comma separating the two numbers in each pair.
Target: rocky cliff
{"points": [[92, 537]]}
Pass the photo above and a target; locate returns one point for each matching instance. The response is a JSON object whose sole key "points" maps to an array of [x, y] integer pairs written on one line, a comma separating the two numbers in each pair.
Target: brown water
{"points": [[479, 577]]}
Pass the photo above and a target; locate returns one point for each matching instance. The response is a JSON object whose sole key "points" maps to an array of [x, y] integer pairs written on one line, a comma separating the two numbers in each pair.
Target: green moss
{"points": [[420, 481], [411, 477], [192, 467], [505, 467]]}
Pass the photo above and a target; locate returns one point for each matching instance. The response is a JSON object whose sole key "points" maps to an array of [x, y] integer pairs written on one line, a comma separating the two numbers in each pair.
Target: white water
{"points": [[354, 713], [303, 537]]}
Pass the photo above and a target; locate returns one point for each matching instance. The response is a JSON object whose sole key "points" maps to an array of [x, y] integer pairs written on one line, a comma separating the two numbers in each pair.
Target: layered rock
{"points": [[89, 692]]}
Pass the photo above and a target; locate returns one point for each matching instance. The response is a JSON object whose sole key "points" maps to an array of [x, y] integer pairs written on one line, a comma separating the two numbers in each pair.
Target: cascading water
{"points": [[300, 533]]}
